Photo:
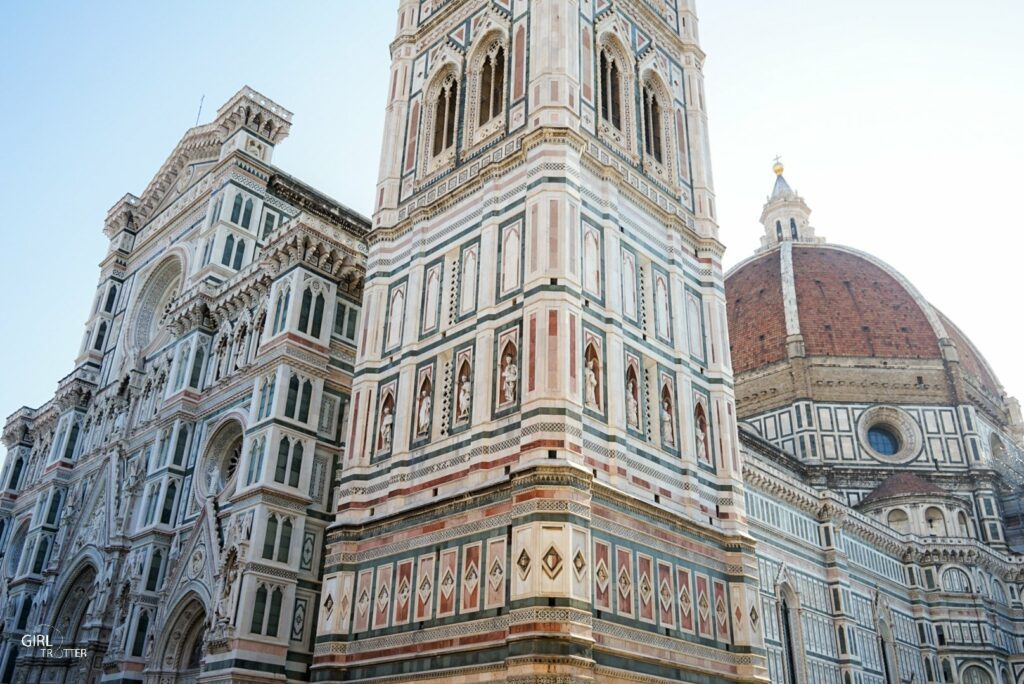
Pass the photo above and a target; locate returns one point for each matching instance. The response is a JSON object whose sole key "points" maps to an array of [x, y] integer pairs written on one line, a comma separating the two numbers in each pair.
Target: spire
{"points": [[781, 189], [785, 216]]}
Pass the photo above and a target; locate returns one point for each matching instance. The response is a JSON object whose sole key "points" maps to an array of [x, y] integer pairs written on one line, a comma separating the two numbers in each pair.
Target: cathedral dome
{"points": [[802, 302], [846, 304]]}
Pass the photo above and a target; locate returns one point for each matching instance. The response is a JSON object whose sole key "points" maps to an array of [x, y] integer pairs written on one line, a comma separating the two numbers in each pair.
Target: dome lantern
{"points": [[785, 217]]}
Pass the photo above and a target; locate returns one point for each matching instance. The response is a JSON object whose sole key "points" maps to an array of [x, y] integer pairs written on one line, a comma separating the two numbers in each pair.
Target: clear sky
{"points": [[899, 122]]}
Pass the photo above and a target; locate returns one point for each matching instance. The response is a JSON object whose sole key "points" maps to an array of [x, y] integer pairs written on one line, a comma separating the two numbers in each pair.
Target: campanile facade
{"points": [[542, 476]]}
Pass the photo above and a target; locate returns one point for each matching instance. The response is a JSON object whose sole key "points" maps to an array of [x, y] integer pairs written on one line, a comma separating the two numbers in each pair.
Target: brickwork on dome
{"points": [[757, 317], [969, 359], [851, 307]]}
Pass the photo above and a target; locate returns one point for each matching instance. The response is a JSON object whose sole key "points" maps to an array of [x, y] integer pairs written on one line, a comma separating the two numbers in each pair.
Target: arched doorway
{"points": [[72, 623], [180, 659], [75, 605]]}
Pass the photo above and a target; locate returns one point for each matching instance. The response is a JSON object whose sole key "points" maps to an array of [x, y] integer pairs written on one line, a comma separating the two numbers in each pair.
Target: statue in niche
{"points": [[632, 405], [423, 419], [133, 475], [465, 396], [386, 424], [702, 447], [664, 316], [591, 385], [667, 431], [509, 379]]}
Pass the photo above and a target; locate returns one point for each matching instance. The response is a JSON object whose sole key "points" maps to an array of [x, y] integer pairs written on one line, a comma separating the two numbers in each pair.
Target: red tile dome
{"points": [[844, 304]]}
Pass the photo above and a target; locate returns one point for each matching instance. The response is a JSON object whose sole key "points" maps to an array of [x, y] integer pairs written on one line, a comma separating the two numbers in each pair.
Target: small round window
{"points": [[883, 440]]}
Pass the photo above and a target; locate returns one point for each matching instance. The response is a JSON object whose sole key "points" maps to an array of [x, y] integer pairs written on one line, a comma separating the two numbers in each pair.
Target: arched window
{"points": [[304, 308], [255, 462], [69, 446], [890, 670], [111, 298], [318, 316], [295, 471], [55, 501], [236, 209], [151, 496], [935, 522], [247, 214], [259, 609], [275, 612], [270, 538], [40, 561], [180, 444], [976, 675], [229, 248], [788, 627], [15, 549], [307, 395], [268, 224], [492, 84], [281, 311], [26, 609], [15, 480], [778, 230], [898, 520], [154, 571], [998, 592], [141, 627], [964, 527], [444, 115], [792, 228], [611, 90], [956, 580], [284, 546], [293, 396], [653, 145], [239, 254], [167, 514], [197, 368], [215, 213], [101, 336], [281, 471], [266, 398]]}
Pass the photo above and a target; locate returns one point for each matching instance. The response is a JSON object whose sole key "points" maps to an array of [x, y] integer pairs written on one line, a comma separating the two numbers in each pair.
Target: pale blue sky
{"points": [[900, 122]]}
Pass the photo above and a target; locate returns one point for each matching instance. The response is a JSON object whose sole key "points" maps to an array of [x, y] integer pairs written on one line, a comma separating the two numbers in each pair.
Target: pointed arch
{"points": [[487, 82], [440, 117], [615, 90], [179, 639], [659, 134], [74, 598], [236, 208], [790, 633], [239, 255], [247, 214]]}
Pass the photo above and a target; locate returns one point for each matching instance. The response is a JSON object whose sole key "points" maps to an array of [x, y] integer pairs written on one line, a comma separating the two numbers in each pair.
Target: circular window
{"points": [[889, 434], [883, 440]]}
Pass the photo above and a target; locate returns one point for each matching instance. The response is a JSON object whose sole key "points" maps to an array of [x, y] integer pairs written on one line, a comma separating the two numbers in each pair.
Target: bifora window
{"points": [[884, 440]]}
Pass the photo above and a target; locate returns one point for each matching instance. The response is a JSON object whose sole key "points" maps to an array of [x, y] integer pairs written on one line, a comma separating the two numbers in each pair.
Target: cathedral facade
{"points": [[164, 513], [521, 426]]}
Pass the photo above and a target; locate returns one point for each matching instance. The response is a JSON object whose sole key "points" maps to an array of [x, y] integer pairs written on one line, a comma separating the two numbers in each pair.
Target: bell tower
{"points": [[542, 476]]}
